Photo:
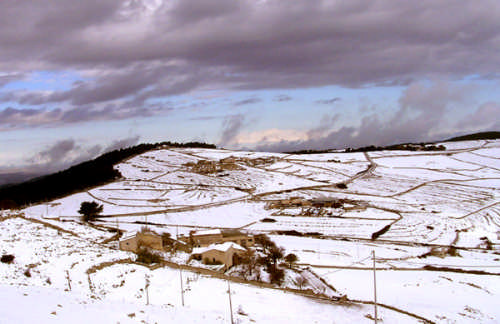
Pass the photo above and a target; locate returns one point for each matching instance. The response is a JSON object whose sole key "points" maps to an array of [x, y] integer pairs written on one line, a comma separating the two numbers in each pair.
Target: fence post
{"points": [[69, 280], [182, 288], [230, 303], [374, 287]]}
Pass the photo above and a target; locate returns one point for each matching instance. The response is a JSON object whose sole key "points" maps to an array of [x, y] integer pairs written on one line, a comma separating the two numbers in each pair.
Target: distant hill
{"points": [[77, 178], [408, 146], [476, 136], [16, 177]]}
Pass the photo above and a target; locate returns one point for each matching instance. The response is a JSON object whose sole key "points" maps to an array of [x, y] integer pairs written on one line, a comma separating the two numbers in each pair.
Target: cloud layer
{"points": [[423, 115], [137, 50], [130, 56], [67, 152]]}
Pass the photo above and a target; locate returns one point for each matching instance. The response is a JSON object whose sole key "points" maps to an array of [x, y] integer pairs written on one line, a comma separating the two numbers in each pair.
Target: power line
{"points": [[454, 265], [349, 265]]}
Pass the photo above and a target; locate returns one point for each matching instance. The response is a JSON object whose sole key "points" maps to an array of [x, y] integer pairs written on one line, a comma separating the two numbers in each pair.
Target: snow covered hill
{"points": [[432, 219]]}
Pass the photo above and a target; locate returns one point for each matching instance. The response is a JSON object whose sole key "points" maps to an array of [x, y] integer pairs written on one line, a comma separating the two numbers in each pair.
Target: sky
{"points": [[79, 78]]}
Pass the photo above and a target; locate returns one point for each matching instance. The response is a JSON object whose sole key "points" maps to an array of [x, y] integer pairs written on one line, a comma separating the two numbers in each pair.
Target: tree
{"points": [[300, 281], [90, 210], [291, 259], [264, 241], [276, 253], [249, 261]]}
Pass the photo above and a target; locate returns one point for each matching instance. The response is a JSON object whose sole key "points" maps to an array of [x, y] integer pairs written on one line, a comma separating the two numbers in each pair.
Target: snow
{"points": [[439, 296], [223, 247], [424, 201], [207, 232], [48, 305]]}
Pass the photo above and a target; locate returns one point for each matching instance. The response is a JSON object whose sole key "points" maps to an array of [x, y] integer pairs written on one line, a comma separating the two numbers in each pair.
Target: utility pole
{"points": [[182, 289], [374, 287], [147, 289], [230, 303], [69, 280], [90, 283]]}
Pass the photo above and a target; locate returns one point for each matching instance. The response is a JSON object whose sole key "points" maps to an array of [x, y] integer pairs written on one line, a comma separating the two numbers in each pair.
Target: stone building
{"points": [[226, 253], [146, 239], [207, 237]]}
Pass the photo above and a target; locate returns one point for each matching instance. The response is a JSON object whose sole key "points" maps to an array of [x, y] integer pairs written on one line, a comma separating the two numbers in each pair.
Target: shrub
{"points": [[291, 233], [276, 275], [147, 257], [7, 258], [291, 259], [341, 185]]}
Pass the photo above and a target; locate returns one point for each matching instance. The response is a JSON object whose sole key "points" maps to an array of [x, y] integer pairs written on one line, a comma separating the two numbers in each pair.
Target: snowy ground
{"points": [[59, 288], [424, 202]]}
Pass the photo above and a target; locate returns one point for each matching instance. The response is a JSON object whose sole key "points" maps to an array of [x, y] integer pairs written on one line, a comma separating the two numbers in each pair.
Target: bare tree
{"points": [[300, 281], [249, 261]]}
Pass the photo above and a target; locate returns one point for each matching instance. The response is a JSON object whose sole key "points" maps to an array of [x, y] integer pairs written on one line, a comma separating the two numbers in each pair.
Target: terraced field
{"points": [[436, 214]]}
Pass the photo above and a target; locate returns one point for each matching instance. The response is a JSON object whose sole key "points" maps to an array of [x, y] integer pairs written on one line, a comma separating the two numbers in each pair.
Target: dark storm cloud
{"points": [[138, 83], [327, 101], [248, 101], [12, 118], [16, 118], [282, 98], [67, 152], [267, 43], [59, 151], [205, 118], [136, 51], [60, 155]]}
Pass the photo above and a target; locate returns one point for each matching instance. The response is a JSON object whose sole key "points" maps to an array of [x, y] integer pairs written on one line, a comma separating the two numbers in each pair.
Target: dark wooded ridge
{"points": [[80, 177]]}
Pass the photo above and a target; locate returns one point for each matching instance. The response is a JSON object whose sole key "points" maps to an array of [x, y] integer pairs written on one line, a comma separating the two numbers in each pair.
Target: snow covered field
{"points": [[414, 209]]}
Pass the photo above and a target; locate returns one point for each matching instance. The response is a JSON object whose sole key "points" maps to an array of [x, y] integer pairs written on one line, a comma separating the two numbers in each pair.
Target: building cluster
{"points": [[294, 202], [251, 162], [219, 246], [208, 166], [209, 246], [227, 164], [218, 236]]}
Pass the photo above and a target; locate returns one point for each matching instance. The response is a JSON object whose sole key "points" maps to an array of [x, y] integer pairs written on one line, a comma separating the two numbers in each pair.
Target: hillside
{"points": [[476, 136], [79, 177], [432, 219]]}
